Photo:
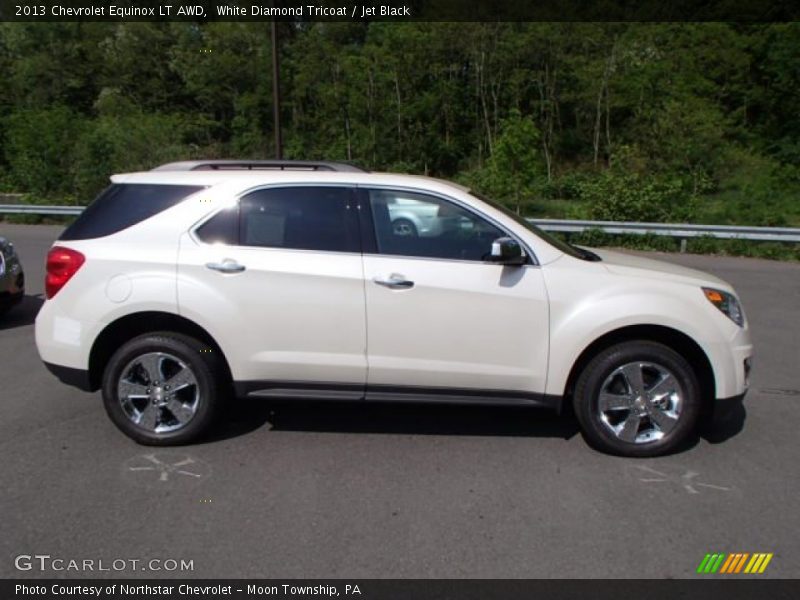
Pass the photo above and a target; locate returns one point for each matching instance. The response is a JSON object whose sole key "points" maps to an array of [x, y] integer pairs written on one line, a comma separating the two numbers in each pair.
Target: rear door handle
{"points": [[394, 282], [226, 266]]}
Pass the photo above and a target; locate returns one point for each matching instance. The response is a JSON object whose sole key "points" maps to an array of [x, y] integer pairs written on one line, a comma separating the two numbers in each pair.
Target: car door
{"points": [[279, 277], [441, 320]]}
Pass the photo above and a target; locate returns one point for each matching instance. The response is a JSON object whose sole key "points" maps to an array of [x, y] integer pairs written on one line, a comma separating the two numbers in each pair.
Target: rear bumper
{"points": [[78, 378]]}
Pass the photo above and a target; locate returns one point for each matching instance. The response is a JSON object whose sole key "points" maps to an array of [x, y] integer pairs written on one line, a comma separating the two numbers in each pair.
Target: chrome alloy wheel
{"points": [[158, 392], [640, 402]]}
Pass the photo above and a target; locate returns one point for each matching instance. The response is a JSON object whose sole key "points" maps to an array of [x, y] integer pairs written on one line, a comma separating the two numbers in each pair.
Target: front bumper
{"points": [[727, 409], [8, 299], [12, 288], [731, 357]]}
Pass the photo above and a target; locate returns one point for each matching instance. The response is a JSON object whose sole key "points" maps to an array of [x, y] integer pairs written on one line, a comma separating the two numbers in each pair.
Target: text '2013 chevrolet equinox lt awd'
{"points": [[182, 286]]}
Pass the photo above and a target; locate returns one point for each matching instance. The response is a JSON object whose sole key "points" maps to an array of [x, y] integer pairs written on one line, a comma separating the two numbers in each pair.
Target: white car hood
{"points": [[629, 264]]}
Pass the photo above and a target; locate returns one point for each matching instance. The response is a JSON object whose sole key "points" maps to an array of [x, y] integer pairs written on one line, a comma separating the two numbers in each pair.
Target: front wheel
{"points": [[637, 399], [163, 388]]}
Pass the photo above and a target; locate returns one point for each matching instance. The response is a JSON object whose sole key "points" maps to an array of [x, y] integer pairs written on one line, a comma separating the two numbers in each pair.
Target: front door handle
{"points": [[394, 282], [226, 266]]}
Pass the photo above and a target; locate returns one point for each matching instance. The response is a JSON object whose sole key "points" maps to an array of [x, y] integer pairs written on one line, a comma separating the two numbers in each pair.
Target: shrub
{"points": [[633, 197], [39, 149]]}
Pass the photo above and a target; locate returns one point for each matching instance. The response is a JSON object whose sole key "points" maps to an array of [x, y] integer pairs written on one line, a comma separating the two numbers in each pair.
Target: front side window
{"points": [[411, 224], [566, 248], [298, 218]]}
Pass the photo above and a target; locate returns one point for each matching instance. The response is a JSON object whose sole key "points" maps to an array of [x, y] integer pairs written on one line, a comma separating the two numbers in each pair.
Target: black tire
{"points": [[206, 394], [597, 428], [409, 228]]}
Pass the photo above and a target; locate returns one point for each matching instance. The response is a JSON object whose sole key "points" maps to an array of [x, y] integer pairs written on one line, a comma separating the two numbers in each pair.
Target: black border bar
{"points": [[707, 588], [404, 10]]}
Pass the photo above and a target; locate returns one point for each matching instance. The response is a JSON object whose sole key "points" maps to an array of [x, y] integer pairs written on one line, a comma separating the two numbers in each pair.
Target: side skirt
{"points": [[392, 393]]}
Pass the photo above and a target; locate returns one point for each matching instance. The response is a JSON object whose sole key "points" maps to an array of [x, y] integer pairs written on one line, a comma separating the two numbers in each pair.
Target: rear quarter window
{"points": [[122, 205]]}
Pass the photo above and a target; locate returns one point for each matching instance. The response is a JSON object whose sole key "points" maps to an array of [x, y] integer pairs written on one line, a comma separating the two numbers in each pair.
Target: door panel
{"points": [[291, 315], [444, 318], [461, 325]]}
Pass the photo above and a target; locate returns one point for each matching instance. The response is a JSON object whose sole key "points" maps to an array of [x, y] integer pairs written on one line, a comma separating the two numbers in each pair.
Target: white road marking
{"points": [[686, 480], [188, 466]]}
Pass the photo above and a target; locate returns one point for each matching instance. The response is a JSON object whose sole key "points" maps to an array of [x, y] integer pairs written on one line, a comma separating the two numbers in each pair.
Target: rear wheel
{"points": [[637, 399], [163, 388]]}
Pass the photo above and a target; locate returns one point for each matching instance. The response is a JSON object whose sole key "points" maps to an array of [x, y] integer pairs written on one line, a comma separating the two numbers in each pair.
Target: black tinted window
{"points": [[303, 218], [408, 224], [122, 205], [221, 228]]}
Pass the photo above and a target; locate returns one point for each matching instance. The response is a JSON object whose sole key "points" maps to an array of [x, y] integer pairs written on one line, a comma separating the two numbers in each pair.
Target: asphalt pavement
{"points": [[316, 490]]}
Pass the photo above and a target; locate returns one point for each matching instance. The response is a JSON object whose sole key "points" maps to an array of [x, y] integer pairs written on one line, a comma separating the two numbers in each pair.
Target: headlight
{"points": [[727, 303]]}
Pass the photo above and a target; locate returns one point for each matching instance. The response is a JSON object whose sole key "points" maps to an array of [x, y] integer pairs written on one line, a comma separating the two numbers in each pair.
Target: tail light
{"points": [[62, 264]]}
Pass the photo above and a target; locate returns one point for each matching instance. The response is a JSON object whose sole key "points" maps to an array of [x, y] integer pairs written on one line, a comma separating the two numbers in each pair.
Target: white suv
{"points": [[180, 287]]}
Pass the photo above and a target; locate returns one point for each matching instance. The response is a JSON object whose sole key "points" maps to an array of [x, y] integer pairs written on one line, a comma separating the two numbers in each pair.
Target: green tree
{"points": [[514, 173]]}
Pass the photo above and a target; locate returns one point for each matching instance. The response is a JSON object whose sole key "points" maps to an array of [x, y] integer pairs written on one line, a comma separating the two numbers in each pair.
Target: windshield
{"points": [[566, 248]]}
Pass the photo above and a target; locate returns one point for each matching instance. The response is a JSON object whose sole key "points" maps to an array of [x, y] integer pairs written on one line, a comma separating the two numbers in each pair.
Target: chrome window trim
{"points": [[361, 186], [192, 231]]}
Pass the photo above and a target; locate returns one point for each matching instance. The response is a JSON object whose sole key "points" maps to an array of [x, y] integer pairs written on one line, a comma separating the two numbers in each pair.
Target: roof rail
{"points": [[267, 165]]}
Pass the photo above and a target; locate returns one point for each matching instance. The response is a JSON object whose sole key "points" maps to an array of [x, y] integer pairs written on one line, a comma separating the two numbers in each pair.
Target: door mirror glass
{"points": [[507, 251]]}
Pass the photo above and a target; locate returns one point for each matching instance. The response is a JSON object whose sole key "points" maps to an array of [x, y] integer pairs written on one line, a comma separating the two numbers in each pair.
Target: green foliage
{"points": [[39, 147], [633, 197], [130, 141], [514, 173], [622, 121], [760, 187]]}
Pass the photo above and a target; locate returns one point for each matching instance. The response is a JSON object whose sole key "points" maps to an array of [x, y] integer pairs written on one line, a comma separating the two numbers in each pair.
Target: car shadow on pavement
{"points": [[244, 416], [247, 415], [23, 313]]}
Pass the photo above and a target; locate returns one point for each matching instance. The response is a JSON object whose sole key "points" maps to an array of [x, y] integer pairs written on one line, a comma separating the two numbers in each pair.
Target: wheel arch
{"points": [[125, 328], [672, 338]]}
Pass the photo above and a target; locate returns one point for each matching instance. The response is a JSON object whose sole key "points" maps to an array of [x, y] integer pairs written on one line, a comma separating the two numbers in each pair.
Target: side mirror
{"points": [[507, 251]]}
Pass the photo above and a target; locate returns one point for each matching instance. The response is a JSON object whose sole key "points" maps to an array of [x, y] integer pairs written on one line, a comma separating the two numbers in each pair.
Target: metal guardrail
{"points": [[676, 230], [36, 209]]}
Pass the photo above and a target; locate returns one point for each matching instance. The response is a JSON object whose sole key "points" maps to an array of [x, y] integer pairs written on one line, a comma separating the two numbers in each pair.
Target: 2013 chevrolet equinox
{"points": [[180, 286]]}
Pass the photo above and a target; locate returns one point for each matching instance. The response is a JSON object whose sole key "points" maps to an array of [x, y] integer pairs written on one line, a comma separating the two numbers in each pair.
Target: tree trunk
{"points": [[371, 110], [598, 114], [482, 90], [399, 109], [601, 95]]}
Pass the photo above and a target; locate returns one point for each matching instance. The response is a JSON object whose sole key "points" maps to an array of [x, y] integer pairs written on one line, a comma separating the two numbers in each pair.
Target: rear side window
{"points": [[299, 218], [122, 205], [222, 228]]}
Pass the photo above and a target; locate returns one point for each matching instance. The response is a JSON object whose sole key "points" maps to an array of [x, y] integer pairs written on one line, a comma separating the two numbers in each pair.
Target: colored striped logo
{"points": [[739, 562]]}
